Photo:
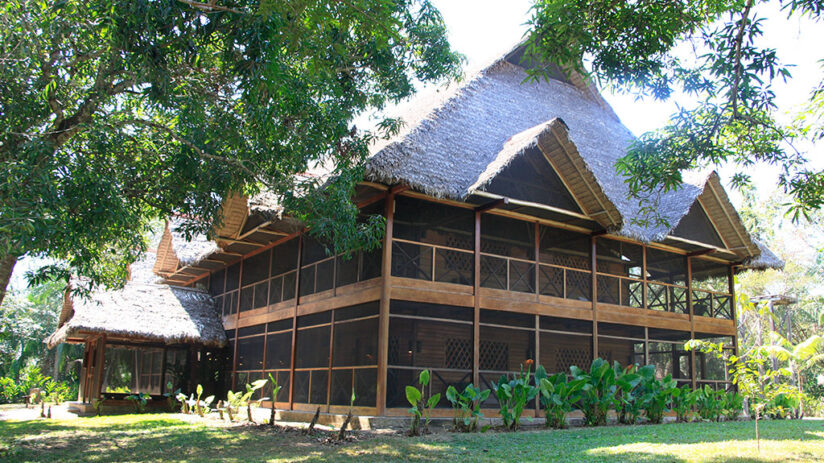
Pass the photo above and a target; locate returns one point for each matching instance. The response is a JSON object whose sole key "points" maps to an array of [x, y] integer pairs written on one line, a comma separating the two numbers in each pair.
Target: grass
{"points": [[167, 438]]}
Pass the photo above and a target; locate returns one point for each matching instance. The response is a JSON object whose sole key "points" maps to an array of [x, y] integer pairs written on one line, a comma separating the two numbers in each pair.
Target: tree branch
{"points": [[200, 152], [739, 40]]}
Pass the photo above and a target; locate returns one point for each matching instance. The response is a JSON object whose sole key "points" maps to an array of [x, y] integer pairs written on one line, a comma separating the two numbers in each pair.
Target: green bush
{"points": [[628, 403], [557, 396], [709, 403], [466, 406], [597, 393], [513, 395], [656, 395], [781, 406], [683, 400], [732, 406], [10, 392]]}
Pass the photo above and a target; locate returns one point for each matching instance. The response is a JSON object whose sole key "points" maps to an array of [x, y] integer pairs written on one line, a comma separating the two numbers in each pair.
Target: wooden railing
{"points": [[432, 262]]}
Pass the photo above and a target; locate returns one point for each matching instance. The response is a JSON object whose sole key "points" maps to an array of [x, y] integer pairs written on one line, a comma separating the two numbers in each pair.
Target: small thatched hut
{"points": [[509, 237]]}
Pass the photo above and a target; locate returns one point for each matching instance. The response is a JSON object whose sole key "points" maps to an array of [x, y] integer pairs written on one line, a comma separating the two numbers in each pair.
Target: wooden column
{"points": [[476, 325], [98, 367], [295, 326], [594, 299], [386, 295], [693, 372], [733, 306], [237, 322]]}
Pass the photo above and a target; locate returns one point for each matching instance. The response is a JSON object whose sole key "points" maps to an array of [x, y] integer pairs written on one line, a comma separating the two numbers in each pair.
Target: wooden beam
{"points": [[494, 204], [239, 241], [544, 207], [700, 252], [594, 264]]}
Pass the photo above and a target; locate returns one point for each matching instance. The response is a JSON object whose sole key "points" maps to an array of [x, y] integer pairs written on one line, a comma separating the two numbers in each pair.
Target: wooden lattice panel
{"points": [[493, 355], [458, 353], [566, 357], [394, 350]]}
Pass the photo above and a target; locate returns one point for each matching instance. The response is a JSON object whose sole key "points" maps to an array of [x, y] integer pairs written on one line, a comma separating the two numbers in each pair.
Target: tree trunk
{"points": [[7, 264]]}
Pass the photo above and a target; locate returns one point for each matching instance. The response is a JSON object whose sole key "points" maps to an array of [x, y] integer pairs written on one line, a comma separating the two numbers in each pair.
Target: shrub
{"points": [[10, 391], [557, 396], [708, 403], [421, 407], [628, 402], [466, 406], [656, 394], [513, 395], [683, 399], [237, 400], [140, 400], [732, 405], [597, 392], [781, 406]]}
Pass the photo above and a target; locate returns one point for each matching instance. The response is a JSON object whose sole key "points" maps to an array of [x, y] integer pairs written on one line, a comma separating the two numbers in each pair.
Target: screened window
{"points": [[256, 268], [507, 237], [619, 258], [216, 282], [666, 267], [561, 351], [232, 276], [285, 257], [433, 223], [565, 248], [428, 336]]}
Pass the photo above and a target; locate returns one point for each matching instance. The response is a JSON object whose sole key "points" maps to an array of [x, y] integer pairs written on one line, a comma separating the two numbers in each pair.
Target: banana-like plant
{"points": [[237, 400], [467, 406], [557, 396], [598, 391], [421, 407]]}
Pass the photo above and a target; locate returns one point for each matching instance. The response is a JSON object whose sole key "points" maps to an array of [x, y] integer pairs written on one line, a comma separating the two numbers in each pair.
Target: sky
{"points": [[485, 29]]}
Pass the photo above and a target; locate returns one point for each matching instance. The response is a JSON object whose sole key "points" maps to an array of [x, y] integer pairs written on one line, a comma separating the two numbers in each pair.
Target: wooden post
{"points": [[693, 372], [237, 323], [476, 325], [98, 367], [386, 295], [330, 353], [733, 306], [594, 299], [295, 326]]}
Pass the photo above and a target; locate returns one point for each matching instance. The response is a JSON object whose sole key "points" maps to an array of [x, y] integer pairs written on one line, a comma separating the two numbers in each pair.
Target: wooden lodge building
{"points": [[509, 237]]}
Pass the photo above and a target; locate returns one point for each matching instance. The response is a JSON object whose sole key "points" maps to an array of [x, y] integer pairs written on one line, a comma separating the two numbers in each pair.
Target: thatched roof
{"points": [[150, 312], [767, 259], [455, 143]]}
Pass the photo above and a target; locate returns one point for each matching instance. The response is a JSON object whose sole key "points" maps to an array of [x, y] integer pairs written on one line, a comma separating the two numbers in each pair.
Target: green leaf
{"points": [[413, 395]]}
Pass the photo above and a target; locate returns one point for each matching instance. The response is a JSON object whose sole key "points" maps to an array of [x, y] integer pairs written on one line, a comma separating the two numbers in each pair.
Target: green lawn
{"points": [[163, 437]]}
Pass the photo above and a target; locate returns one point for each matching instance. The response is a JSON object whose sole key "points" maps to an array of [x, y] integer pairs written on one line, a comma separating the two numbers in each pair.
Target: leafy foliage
{"points": [[513, 396], [708, 51], [421, 406], [628, 400], [467, 406], [598, 391], [558, 395], [683, 400], [655, 394], [116, 112]]}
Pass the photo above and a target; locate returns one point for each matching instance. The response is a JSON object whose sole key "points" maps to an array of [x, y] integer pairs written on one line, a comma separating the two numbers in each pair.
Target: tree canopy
{"points": [[116, 112], [710, 52]]}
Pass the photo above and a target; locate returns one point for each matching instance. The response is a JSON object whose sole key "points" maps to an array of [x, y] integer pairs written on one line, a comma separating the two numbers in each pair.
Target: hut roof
{"points": [[151, 312], [454, 144], [765, 260]]}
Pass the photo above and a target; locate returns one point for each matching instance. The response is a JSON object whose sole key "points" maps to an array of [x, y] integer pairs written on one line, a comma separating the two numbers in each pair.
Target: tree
{"points": [[752, 374], [116, 112], [708, 51], [26, 319]]}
